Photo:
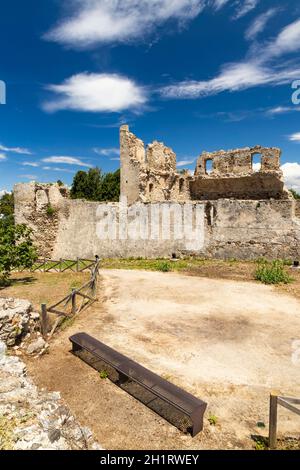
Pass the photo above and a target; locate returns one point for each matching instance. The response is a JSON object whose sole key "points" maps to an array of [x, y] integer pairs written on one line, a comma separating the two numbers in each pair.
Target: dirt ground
{"points": [[41, 288], [227, 342]]}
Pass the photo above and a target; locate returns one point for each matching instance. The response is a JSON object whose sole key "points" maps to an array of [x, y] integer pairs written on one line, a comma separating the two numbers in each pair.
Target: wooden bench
{"points": [[176, 405]]}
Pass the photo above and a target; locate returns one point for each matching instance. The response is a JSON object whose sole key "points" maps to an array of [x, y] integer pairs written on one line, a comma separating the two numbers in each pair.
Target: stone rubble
{"points": [[32, 419], [17, 320]]}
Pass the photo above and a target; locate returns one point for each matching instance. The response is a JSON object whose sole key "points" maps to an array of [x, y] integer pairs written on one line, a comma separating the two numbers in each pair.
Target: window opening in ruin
{"points": [[256, 162], [181, 185], [150, 187], [208, 166]]}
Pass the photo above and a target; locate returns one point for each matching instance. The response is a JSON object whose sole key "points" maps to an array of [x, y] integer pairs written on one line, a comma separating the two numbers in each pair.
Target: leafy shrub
{"points": [[163, 266], [295, 194], [213, 420], [16, 250], [50, 210], [272, 272], [103, 374]]}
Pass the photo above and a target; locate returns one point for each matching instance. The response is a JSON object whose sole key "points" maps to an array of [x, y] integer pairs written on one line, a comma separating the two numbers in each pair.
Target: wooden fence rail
{"points": [[286, 402], [72, 304], [46, 265]]}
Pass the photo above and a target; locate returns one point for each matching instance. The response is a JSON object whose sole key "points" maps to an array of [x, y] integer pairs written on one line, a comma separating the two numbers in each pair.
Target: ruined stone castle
{"points": [[238, 210]]}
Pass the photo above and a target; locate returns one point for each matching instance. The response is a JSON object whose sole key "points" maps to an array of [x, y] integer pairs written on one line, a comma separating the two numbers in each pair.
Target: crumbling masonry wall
{"points": [[245, 213], [150, 175], [40, 207]]}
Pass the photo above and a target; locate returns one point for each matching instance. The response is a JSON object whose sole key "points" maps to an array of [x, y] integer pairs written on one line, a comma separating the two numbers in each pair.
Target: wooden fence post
{"points": [[44, 320], [273, 422], [73, 301]]}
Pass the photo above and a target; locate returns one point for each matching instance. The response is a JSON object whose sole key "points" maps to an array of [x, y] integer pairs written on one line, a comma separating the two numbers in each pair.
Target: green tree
{"points": [[7, 209], [16, 250], [295, 194], [78, 190], [60, 183], [94, 186], [110, 190]]}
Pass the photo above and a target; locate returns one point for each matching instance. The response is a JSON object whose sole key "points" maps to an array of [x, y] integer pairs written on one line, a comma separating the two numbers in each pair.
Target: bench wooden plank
{"points": [[128, 369]]}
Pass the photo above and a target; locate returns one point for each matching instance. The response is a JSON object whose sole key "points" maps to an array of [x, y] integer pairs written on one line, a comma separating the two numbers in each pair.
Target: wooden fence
{"points": [[46, 265], [286, 402], [72, 304]]}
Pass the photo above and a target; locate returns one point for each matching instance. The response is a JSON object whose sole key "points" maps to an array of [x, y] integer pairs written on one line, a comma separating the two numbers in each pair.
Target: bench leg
{"points": [[76, 347], [122, 379]]}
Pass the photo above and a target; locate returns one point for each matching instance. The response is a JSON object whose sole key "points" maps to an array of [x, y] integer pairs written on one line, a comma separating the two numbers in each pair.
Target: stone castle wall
{"points": [[226, 228], [236, 211]]}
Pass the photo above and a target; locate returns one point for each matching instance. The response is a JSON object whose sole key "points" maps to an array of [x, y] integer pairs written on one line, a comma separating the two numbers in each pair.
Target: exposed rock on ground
{"points": [[32, 419], [19, 327], [16, 320]]}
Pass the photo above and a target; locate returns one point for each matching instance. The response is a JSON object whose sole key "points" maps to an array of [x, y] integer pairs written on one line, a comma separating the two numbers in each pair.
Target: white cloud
{"points": [[287, 41], [29, 177], [291, 173], [233, 77], [96, 93], [181, 163], [115, 159], [282, 110], [66, 160], [245, 7], [217, 4], [3, 192], [91, 22], [19, 150], [256, 70], [259, 23], [295, 137], [51, 168], [107, 152], [2, 156], [33, 164]]}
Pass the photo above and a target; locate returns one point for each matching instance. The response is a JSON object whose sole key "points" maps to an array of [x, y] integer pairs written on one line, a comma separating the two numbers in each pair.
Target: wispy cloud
{"points": [[115, 159], [19, 150], [29, 177], [241, 7], [33, 164], [282, 110], [260, 67], [51, 168], [244, 7], [181, 163], [66, 160], [217, 4], [2, 157], [259, 23], [295, 137], [96, 93], [107, 152], [92, 22]]}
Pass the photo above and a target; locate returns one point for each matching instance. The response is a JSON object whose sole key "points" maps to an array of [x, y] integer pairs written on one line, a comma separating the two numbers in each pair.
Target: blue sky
{"points": [[196, 74]]}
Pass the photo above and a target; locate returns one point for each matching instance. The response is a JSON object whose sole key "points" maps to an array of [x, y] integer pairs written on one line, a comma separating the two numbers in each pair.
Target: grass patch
{"points": [[261, 443], [272, 272], [50, 210], [213, 420], [66, 323], [103, 374], [158, 264], [163, 266]]}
